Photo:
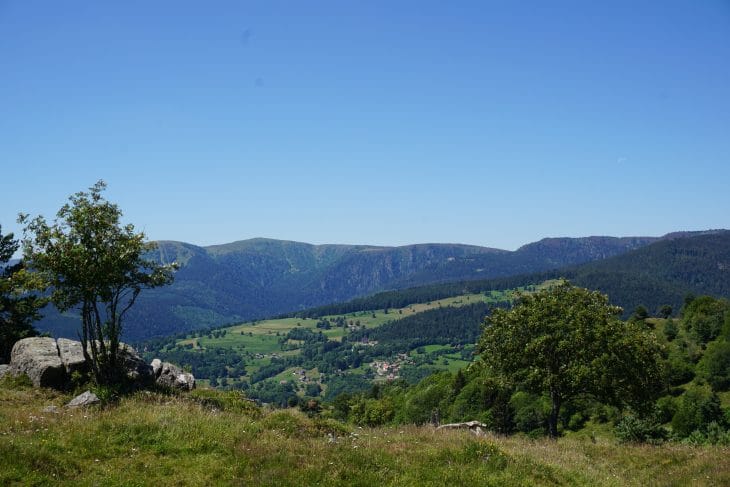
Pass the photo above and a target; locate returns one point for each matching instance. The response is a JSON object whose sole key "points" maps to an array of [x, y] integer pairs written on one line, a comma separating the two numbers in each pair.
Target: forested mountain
{"points": [[662, 273], [262, 277]]}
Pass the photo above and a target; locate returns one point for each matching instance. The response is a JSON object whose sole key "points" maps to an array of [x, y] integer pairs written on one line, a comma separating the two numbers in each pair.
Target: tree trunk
{"points": [[554, 414]]}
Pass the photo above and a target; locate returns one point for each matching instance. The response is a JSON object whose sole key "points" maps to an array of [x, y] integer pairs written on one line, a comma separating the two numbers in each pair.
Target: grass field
{"points": [[153, 439]]}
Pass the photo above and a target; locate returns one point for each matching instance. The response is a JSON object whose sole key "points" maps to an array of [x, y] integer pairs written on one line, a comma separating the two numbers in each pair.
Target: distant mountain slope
{"points": [[658, 274], [262, 277]]}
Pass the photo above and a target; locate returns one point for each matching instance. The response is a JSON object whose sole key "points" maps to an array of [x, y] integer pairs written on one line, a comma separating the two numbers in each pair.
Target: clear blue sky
{"points": [[382, 122]]}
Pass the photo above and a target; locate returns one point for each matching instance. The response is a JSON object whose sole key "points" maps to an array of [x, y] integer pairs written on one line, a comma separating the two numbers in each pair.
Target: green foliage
{"points": [[704, 317], [530, 412], [697, 408], [679, 368], [665, 311], [566, 341], [633, 429], [715, 365], [427, 400], [12, 381], [640, 313], [19, 304], [92, 262], [372, 412], [670, 330]]}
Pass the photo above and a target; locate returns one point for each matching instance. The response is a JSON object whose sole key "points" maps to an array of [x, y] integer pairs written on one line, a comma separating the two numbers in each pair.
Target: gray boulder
{"points": [[136, 368], [72, 355], [474, 427], [4, 369], [156, 367], [174, 377], [84, 399], [38, 358]]}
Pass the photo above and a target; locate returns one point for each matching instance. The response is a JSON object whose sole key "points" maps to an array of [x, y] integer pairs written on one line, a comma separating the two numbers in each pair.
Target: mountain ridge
{"points": [[256, 278]]}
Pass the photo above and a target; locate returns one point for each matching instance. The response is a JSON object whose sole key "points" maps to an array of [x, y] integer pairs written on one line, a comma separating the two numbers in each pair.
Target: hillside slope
{"points": [[654, 275]]}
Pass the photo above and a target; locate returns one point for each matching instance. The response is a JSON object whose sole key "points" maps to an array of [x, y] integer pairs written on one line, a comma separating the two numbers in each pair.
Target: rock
{"points": [[84, 399], [4, 369], [38, 358], [136, 369], [474, 427], [156, 367], [72, 355], [50, 409], [175, 378]]}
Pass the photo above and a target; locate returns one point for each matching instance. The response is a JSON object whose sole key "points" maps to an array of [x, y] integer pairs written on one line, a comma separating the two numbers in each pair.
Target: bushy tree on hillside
{"points": [[567, 341], [95, 264], [19, 306], [704, 317]]}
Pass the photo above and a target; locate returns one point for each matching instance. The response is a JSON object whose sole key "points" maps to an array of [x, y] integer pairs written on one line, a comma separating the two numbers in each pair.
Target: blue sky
{"points": [[381, 122]]}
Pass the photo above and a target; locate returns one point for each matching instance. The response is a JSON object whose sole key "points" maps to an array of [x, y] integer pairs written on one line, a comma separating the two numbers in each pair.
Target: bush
{"points": [[698, 407], [670, 330], [704, 317], [632, 429], [715, 365], [530, 412]]}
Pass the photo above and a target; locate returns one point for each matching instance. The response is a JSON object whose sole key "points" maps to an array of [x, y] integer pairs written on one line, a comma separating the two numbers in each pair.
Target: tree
{"points": [[704, 317], [19, 306], [567, 341], [96, 265], [640, 313], [665, 311]]}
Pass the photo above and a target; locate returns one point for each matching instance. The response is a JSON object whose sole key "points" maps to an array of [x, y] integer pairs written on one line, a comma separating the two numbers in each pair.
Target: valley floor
{"points": [[154, 439]]}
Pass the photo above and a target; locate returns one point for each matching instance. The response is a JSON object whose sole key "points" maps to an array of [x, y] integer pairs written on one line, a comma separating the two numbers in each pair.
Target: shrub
{"points": [[632, 429], [697, 408], [715, 365]]}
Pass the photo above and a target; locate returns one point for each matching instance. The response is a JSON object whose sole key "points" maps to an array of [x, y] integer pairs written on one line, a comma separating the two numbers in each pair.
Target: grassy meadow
{"points": [[215, 438]]}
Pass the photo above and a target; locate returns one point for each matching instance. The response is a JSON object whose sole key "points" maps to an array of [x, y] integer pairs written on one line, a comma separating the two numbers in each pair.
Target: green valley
{"points": [[304, 353]]}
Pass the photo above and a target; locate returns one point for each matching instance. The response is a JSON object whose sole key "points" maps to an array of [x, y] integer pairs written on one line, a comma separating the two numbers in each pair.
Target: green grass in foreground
{"points": [[209, 439]]}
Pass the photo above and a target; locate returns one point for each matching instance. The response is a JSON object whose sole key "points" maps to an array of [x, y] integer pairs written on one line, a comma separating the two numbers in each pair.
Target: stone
{"points": [[173, 377], [38, 358], [474, 427], [72, 355], [50, 410], [4, 370], [84, 399], [136, 368], [156, 367]]}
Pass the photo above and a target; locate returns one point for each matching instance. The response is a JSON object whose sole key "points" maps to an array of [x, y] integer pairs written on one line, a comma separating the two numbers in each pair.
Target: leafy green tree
{"points": [[640, 313], [94, 264], [715, 365], [665, 311], [698, 407], [19, 306], [670, 330], [566, 341], [704, 317]]}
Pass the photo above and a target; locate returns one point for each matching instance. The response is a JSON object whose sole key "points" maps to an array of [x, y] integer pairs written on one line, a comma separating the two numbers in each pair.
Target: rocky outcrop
{"points": [[474, 427], [172, 376], [72, 355], [85, 399], [38, 359], [49, 363], [156, 367]]}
